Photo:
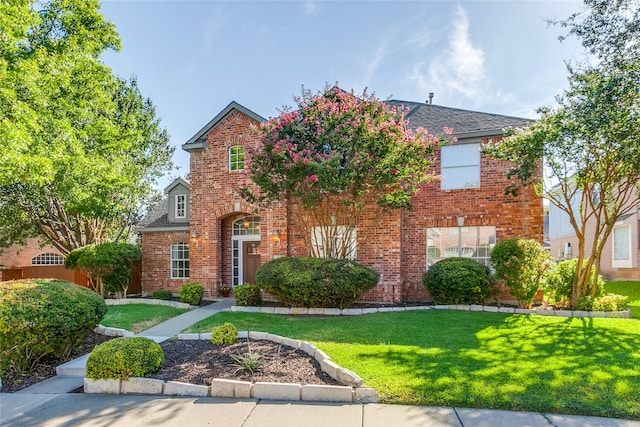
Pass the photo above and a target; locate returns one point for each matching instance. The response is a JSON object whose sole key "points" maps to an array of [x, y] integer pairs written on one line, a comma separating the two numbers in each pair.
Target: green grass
{"points": [[477, 359], [630, 289], [138, 317]]}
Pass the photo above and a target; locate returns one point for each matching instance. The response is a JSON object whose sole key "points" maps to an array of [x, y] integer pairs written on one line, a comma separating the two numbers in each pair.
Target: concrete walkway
{"points": [[49, 403]]}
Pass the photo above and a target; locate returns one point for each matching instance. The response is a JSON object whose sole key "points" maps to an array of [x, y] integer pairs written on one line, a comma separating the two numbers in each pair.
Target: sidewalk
{"points": [[49, 403], [129, 410]]}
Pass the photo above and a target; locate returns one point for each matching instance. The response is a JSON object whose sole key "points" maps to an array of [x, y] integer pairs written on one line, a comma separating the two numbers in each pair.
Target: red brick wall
{"points": [[487, 205], [156, 261], [395, 242], [215, 203]]}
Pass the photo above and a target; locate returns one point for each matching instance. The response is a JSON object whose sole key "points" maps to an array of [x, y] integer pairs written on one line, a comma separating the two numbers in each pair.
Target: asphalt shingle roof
{"points": [[435, 117]]}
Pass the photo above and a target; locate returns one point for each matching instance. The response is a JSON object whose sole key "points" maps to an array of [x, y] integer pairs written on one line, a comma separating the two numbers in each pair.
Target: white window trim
{"points": [[184, 206], [623, 263], [236, 162], [48, 258], [444, 168], [171, 260]]}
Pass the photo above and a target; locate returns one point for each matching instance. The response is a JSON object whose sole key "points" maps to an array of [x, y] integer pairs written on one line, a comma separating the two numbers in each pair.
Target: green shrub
{"points": [[560, 282], [248, 294], [122, 358], [162, 294], [316, 282], [608, 302], [110, 262], [42, 318], [226, 333], [524, 266], [191, 293], [458, 281]]}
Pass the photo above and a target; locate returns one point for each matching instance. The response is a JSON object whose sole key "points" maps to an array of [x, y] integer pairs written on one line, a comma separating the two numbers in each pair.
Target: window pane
{"points": [[621, 244], [460, 166]]}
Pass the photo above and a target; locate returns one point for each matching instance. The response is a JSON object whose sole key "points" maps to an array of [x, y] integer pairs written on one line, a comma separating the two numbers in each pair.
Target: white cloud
{"points": [[310, 8], [461, 67]]}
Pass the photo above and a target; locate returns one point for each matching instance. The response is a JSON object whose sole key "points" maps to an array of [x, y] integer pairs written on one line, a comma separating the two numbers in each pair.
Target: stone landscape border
{"points": [[351, 392], [303, 311]]}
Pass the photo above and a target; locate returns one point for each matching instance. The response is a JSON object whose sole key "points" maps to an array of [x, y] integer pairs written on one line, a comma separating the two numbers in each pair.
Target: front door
{"points": [[250, 261]]}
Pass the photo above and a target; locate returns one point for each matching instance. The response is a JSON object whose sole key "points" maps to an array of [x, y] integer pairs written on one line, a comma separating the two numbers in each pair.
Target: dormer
{"points": [[178, 195]]}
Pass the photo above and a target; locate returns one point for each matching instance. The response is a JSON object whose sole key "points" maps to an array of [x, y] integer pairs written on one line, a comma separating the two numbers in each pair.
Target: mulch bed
{"points": [[47, 368], [198, 361]]}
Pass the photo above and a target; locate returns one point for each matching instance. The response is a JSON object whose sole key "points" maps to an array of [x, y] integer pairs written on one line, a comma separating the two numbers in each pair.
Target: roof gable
{"points": [[198, 141], [175, 183]]}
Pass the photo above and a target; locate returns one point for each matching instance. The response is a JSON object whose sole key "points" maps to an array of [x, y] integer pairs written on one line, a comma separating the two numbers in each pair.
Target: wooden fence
{"points": [[59, 272]]}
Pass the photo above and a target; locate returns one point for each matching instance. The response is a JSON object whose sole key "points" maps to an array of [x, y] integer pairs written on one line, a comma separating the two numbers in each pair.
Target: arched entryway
{"points": [[245, 249]]}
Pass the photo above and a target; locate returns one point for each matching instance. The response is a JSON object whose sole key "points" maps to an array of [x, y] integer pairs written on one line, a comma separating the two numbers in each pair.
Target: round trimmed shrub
{"points": [[458, 281], [248, 294], [122, 358], [226, 333], [192, 293], [162, 294], [316, 282], [42, 318]]}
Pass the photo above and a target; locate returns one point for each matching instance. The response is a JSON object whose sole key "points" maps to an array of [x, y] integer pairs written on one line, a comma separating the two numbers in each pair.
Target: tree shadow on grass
{"points": [[529, 363]]}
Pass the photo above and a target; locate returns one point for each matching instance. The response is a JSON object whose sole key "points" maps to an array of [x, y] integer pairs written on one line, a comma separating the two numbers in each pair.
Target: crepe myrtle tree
{"points": [[590, 142], [333, 156]]}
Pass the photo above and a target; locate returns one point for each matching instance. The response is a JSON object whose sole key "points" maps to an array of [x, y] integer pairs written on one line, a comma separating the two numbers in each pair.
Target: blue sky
{"points": [[193, 58]]}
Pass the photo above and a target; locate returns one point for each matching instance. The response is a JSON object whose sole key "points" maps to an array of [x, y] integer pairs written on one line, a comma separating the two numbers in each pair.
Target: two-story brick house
{"points": [[211, 235]]}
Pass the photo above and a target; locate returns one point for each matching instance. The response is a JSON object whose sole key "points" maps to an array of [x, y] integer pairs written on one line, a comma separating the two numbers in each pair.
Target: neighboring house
{"points": [[211, 235], [35, 261], [620, 258]]}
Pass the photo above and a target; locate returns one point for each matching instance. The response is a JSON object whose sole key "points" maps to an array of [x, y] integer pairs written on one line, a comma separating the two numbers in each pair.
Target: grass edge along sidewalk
{"points": [[477, 359]]}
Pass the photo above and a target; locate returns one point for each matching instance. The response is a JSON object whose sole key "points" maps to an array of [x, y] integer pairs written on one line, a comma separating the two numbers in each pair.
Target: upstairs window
{"points": [[181, 206], [460, 167], [236, 158], [47, 259], [180, 261]]}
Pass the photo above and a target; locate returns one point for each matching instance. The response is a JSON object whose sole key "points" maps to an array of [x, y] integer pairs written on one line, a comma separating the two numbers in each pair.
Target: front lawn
{"points": [[477, 359], [630, 289], [138, 317]]}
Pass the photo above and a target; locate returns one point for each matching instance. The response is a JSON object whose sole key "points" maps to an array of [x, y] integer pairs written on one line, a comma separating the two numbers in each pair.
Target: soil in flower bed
{"points": [[199, 361]]}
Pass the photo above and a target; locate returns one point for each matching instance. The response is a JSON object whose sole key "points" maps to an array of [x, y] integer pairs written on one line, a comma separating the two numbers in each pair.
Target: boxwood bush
{"points": [[458, 281], [248, 294], [226, 333], [162, 294], [42, 318], [122, 358], [191, 293], [316, 282]]}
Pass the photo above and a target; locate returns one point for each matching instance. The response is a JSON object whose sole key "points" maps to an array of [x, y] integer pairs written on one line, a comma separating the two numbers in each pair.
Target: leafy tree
{"points": [[591, 140], [108, 265], [81, 148], [335, 155]]}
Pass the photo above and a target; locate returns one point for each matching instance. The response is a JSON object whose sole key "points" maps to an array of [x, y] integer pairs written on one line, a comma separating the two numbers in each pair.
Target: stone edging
{"points": [[112, 332], [124, 301], [351, 392], [625, 314]]}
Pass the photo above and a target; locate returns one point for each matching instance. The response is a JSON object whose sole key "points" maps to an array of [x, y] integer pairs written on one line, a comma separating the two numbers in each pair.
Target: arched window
{"points": [[236, 158], [180, 260], [48, 259]]}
